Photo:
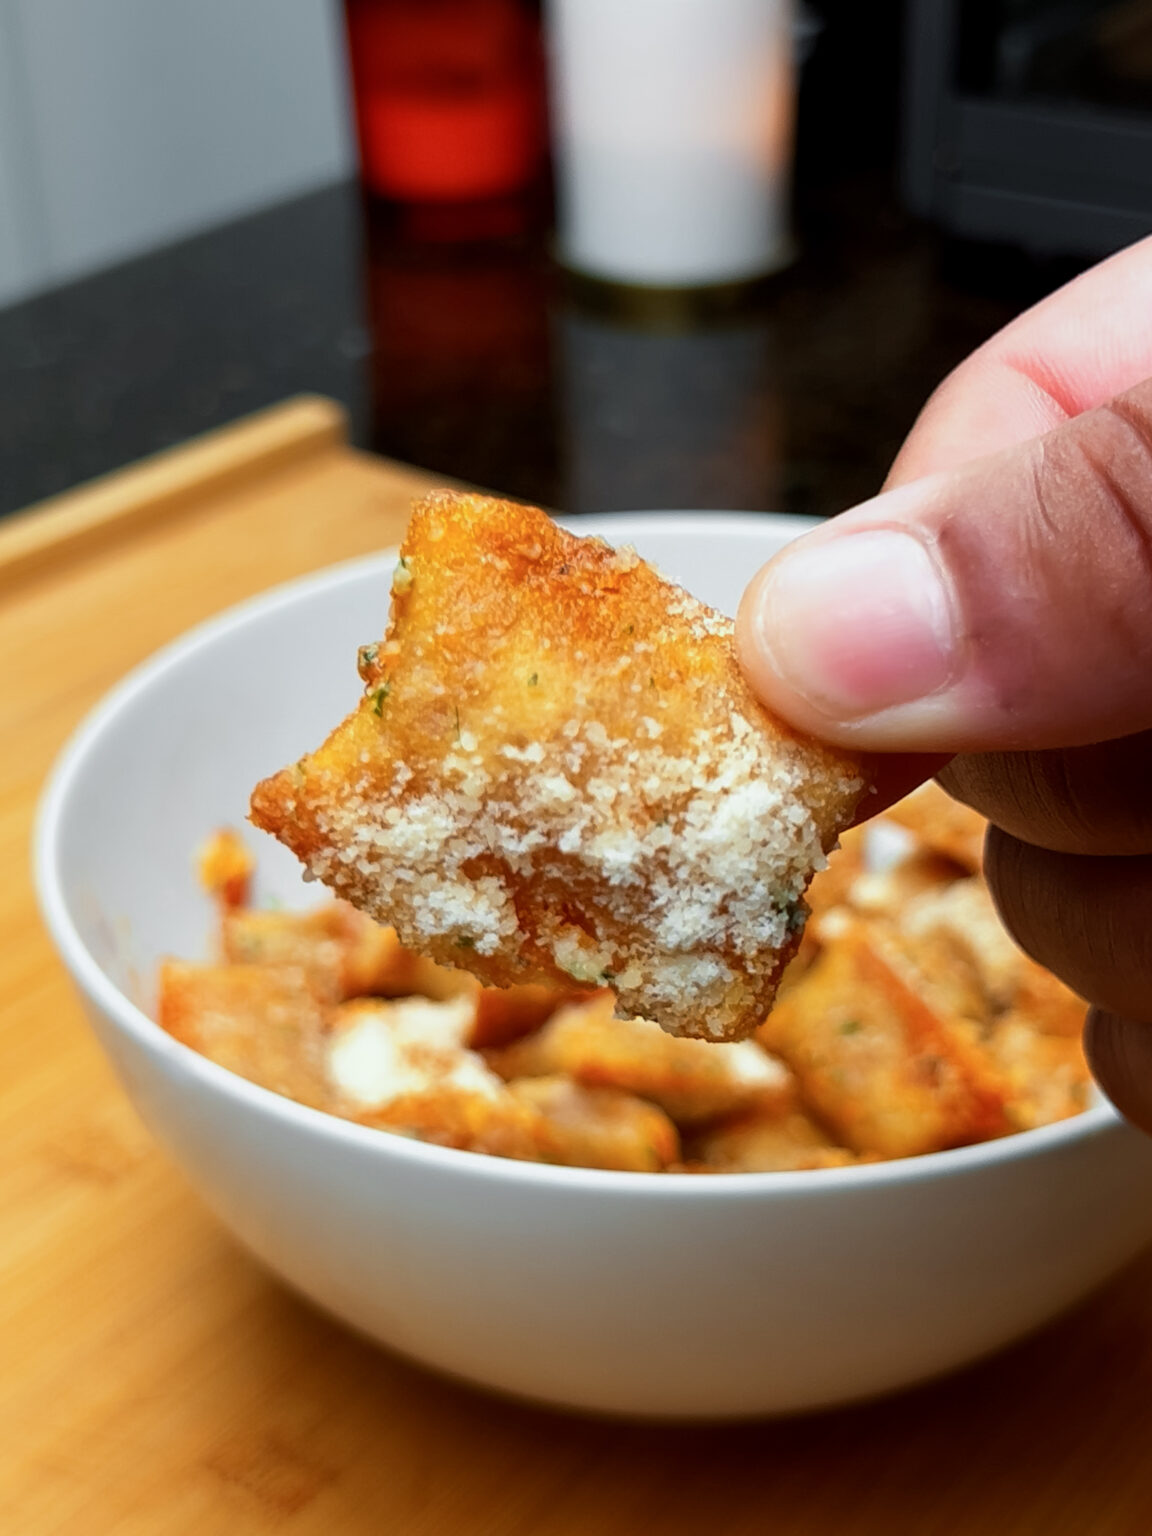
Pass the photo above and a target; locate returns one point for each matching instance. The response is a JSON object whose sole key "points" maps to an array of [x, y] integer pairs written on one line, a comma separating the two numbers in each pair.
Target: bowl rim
{"points": [[129, 1018]]}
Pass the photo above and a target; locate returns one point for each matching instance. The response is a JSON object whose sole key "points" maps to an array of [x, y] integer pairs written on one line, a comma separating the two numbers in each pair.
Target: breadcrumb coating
{"points": [[557, 773]]}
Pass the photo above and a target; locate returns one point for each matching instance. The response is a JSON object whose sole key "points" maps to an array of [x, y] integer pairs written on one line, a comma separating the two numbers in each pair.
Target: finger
{"points": [[1084, 800], [1068, 354], [1119, 1053], [1087, 919], [1007, 604]]}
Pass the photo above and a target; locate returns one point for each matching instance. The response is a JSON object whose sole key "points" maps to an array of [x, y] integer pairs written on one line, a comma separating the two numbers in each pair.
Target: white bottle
{"points": [[673, 126]]}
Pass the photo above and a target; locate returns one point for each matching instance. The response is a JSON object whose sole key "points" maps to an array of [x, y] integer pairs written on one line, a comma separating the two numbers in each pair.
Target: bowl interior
{"points": [[174, 752]]}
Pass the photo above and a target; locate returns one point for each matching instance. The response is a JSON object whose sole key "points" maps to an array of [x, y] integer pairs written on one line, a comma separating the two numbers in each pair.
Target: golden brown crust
{"points": [[262, 1022], [693, 1081], [225, 867], [558, 772], [597, 1127], [343, 953], [876, 1063], [760, 1142]]}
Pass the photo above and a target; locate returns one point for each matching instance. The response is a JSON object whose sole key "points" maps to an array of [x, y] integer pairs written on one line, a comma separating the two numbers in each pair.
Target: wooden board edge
{"points": [[173, 479]]}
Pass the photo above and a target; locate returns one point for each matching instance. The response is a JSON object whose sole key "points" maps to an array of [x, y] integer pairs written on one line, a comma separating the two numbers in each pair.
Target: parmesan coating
{"points": [[557, 773]]}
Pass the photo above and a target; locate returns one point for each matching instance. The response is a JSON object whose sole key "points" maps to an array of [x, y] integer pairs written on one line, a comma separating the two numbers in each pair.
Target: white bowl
{"points": [[625, 1293]]}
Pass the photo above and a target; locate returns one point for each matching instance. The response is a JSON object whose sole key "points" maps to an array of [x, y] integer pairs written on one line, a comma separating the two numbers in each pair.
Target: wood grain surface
{"points": [[154, 1380]]}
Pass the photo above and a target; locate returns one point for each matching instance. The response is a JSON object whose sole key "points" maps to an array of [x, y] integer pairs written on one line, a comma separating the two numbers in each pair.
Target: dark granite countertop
{"points": [[457, 346]]}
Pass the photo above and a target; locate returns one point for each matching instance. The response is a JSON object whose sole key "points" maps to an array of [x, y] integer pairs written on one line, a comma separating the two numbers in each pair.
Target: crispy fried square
{"points": [[766, 1142], [879, 1066], [225, 867], [403, 1065], [963, 922], [558, 772], [1047, 1075], [597, 1127], [263, 1022], [693, 1081], [343, 953]]}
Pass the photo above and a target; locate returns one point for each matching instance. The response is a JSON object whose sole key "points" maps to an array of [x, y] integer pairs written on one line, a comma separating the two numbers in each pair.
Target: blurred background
{"points": [[414, 206]]}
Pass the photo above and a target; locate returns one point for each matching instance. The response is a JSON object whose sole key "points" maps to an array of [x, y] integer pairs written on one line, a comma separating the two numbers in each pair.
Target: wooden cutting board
{"points": [[153, 1380]]}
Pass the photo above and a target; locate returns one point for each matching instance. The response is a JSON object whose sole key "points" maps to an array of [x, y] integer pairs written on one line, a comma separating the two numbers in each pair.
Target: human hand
{"points": [[995, 602]]}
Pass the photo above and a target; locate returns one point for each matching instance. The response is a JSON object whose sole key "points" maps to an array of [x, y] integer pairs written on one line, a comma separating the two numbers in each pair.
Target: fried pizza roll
{"points": [[558, 773], [691, 1080], [263, 1022], [881, 1068]]}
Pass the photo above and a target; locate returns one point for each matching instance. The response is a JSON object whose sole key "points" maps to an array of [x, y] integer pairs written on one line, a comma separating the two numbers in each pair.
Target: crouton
{"points": [[262, 1022], [225, 867], [597, 1127], [402, 1065], [691, 1080], [343, 953], [876, 1064], [760, 1142]]}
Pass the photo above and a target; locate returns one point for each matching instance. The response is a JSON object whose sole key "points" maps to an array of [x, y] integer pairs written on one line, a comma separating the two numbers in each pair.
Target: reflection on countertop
{"points": [[457, 345]]}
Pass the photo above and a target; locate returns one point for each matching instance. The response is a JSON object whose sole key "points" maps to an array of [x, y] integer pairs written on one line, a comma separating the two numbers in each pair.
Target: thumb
{"points": [[1004, 604]]}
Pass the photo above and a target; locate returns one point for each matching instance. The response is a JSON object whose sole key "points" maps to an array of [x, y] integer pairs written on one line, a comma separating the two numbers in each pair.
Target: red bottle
{"points": [[450, 100]]}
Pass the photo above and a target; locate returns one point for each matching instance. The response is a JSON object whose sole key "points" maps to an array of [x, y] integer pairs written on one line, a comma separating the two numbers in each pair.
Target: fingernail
{"points": [[858, 624]]}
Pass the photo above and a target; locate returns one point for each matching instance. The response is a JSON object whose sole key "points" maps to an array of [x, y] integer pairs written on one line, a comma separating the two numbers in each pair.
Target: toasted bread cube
{"points": [[402, 1065], [225, 867], [597, 1127], [691, 1080], [878, 866], [262, 1022], [344, 953], [1047, 1075], [760, 1142], [962, 921], [876, 1064], [504, 1014], [886, 892], [941, 975], [558, 773]]}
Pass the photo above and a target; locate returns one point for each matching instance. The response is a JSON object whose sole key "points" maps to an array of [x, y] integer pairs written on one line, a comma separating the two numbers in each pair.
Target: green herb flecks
{"points": [[795, 914], [851, 1027], [379, 696], [534, 679], [465, 941]]}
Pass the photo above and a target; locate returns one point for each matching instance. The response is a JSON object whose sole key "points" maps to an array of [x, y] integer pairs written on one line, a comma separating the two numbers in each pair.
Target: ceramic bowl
{"points": [[633, 1294]]}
